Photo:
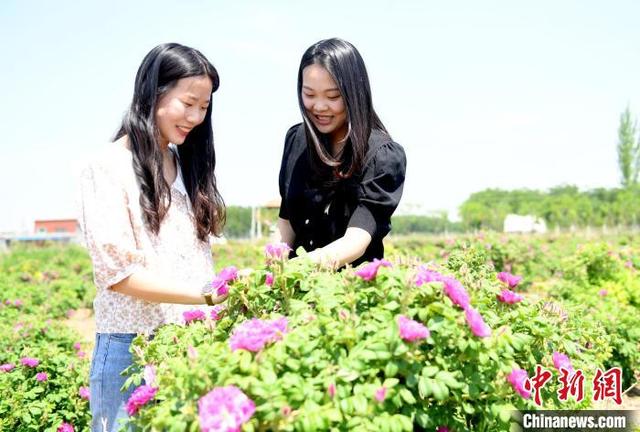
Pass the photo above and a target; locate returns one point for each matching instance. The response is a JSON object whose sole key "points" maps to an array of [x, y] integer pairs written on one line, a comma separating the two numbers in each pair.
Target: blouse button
{"points": [[310, 242], [306, 222]]}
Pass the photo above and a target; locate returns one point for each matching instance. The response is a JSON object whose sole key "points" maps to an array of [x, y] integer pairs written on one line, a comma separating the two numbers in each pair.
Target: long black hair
{"points": [[159, 72], [345, 65]]}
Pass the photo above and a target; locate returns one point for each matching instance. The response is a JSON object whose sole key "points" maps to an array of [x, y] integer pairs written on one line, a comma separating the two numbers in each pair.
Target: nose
{"points": [[194, 116], [320, 106]]}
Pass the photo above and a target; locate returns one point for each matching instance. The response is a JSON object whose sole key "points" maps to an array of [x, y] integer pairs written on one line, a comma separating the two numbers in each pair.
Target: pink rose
{"points": [[29, 361], [369, 271], [411, 330], [476, 323], [518, 378], [509, 279], [509, 297], [381, 394], [84, 392], [140, 397], [224, 409]]}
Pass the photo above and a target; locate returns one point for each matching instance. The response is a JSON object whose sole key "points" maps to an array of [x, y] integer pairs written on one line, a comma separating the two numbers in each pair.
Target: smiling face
{"points": [[323, 102], [182, 108]]}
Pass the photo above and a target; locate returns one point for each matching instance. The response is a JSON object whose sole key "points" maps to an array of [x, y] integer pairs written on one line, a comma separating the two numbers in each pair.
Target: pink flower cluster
{"points": [[29, 361], [17, 303], [7, 367], [561, 361], [42, 376], [380, 394], [276, 251], [220, 284], [411, 330], [331, 390], [84, 392], [193, 315], [476, 323], [518, 378], [140, 397], [254, 334], [509, 279], [509, 297], [425, 276], [459, 296], [65, 427], [506, 295], [268, 279], [216, 312], [369, 271], [456, 292], [224, 409]]}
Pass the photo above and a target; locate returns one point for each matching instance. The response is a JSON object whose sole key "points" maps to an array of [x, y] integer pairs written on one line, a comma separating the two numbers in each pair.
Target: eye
{"points": [[204, 108], [187, 104]]}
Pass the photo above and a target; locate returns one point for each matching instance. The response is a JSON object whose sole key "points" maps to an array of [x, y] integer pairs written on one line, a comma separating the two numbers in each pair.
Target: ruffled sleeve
{"points": [[380, 190], [106, 224]]}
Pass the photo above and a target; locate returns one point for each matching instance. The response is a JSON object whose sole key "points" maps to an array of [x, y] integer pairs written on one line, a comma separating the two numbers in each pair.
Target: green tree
{"points": [[238, 222], [628, 150]]}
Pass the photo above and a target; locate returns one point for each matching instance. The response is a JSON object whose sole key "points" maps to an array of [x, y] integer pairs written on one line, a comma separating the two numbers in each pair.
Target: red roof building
{"points": [[57, 226]]}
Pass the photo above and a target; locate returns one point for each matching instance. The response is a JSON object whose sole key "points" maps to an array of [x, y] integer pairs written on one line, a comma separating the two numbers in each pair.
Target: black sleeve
{"points": [[380, 190], [285, 170]]}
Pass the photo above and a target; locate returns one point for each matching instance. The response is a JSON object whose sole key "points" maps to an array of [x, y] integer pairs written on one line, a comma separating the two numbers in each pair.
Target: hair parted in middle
{"points": [[159, 72], [346, 66]]}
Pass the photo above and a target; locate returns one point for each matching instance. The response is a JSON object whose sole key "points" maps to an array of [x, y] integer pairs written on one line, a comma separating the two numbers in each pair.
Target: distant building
{"points": [[514, 223], [45, 230], [57, 226]]}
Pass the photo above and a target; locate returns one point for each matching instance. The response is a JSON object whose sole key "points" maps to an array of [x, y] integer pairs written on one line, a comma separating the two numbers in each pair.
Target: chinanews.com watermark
{"points": [[605, 385], [577, 421]]}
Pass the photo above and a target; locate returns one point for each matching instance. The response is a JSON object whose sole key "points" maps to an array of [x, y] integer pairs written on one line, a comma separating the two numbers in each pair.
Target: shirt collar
{"points": [[178, 183]]}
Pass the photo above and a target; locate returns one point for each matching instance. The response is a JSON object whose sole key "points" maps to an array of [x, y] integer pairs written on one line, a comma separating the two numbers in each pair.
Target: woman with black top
{"points": [[342, 175]]}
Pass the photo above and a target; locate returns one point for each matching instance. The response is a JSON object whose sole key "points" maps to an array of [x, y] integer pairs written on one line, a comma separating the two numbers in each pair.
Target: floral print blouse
{"points": [[119, 243]]}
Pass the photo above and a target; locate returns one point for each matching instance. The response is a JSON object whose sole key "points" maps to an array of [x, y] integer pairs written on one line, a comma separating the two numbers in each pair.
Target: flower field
{"points": [[444, 335]]}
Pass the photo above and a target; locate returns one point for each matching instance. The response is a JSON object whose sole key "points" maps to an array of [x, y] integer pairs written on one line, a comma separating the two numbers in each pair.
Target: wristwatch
{"points": [[207, 293]]}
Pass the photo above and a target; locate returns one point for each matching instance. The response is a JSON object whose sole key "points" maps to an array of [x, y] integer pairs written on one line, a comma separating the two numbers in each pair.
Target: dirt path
{"points": [[83, 321]]}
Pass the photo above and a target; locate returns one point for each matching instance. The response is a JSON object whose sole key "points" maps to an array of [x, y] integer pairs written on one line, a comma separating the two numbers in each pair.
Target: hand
{"points": [[245, 272], [219, 299]]}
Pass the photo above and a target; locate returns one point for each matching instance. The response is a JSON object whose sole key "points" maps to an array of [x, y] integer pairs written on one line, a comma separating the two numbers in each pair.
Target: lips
{"points": [[322, 120], [183, 130]]}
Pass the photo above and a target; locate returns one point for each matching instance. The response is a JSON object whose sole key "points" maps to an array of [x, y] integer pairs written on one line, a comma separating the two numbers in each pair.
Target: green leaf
{"points": [[429, 371], [392, 305], [407, 396], [391, 369]]}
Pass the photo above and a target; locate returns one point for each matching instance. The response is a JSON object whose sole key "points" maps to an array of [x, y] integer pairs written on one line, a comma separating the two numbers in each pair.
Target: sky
{"points": [[491, 94]]}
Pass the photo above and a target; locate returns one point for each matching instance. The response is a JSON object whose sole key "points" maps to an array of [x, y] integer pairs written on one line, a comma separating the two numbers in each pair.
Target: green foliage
{"points": [[408, 224], [628, 150], [343, 331], [562, 207], [238, 223], [607, 289], [46, 283]]}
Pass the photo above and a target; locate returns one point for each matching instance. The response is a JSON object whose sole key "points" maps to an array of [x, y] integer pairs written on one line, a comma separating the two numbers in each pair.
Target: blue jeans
{"points": [[110, 357]]}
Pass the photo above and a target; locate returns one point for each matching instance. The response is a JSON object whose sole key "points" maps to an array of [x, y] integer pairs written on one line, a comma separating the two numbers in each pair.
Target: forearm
{"points": [[148, 286], [344, 250], [285, 232]]}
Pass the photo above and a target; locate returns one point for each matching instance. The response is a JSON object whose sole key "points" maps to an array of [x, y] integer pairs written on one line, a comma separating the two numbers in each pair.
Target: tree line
{"points": [[562, 207]]}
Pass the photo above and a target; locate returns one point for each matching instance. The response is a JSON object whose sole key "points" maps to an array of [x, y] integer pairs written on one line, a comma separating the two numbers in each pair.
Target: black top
{"points": [[320, 215]]}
